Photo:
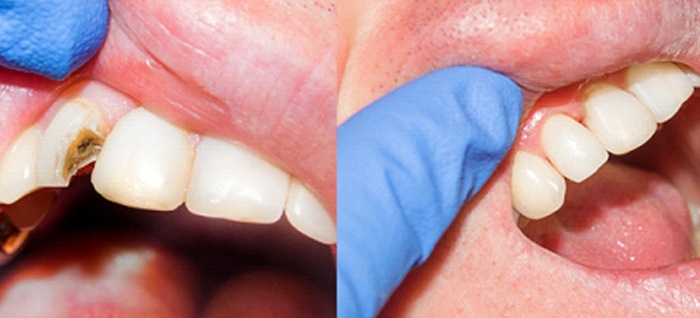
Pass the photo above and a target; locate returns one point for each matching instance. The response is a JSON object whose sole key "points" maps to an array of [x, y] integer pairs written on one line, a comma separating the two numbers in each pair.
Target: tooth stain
{"points": [[85, 147]]}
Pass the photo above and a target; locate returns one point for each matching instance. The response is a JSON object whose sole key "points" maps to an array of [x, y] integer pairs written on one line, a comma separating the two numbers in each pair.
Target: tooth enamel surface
{"points": [[70, 142], [537, 189], [232, 183], [692, 77], [661, 86], [617, 118], [17, 166], [572, 148], [308, 215], [145, 163]]}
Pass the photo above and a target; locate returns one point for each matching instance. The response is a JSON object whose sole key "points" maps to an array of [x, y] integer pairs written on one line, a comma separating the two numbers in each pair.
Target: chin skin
{"points": [[484, 265]]}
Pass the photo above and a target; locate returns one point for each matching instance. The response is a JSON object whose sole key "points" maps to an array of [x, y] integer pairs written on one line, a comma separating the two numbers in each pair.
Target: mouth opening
{"points": [[638, 208], [81, 225], [215, 250]]}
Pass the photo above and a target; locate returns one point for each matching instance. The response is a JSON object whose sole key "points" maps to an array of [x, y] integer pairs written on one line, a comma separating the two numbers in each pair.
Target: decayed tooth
{"points": [[617, 118], [232, 183], [307, 214], [18, 166], [145, 163], [70, 142], [537, 189], [572, 148], [661, 86]]}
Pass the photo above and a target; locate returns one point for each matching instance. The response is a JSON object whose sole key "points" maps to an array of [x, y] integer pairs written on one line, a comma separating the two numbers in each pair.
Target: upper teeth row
{"points": [[146, 162], [615, 119]]}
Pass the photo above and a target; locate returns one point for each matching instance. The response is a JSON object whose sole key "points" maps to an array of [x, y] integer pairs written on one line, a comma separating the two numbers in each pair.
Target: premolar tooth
{"points": [[537, 189], [145, 163], [70, 142], [308, 215], [232, 183], [572, 148], [661, 86], [617, 118], [18, 166]]}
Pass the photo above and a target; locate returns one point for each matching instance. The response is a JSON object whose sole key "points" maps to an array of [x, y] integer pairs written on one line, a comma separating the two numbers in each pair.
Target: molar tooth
{"points": [[661, 86], [70, 142], [617, 118], [537, 189], [232, 183], [18, 166], [308, 215], [572, 148], [145, 163]]}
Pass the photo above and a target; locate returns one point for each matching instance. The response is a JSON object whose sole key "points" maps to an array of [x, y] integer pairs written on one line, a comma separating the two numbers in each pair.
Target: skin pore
{"points": [[484, 265], [260, 73]]}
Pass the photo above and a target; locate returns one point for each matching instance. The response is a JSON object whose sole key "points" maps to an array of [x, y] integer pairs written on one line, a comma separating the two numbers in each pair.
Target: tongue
{"points": [[621, 218]]}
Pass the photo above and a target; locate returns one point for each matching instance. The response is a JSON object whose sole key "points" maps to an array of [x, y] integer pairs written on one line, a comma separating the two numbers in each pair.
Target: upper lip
{"points": [[540, 47]]}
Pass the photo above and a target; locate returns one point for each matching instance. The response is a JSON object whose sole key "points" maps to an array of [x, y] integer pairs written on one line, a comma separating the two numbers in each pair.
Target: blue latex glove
{"points": [[406, 164], [51, 38]]}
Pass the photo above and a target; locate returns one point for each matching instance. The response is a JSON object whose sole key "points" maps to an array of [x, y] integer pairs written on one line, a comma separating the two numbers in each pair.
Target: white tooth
{"points": [[572, 148], [537, 189], [661, 86], [308, 215], [617, 118], [17, 166], [70, 142], [145, 163], [694, 211], [230, 182], [692, 76]]}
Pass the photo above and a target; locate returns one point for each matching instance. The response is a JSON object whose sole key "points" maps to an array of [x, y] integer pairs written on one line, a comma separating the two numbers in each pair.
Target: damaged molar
{"points": [[70, 142]]}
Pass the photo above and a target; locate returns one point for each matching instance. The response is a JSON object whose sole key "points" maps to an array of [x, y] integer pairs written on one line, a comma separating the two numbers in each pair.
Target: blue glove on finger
{"points": [[51, 38], [406, 164]]}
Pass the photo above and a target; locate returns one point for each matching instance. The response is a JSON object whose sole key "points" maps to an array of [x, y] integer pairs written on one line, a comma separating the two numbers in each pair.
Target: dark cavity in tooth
{"points": [[81, 151]]}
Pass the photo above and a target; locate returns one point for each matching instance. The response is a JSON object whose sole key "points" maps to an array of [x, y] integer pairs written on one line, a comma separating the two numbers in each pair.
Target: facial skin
{"points": [[261, 73], [484, 266]]}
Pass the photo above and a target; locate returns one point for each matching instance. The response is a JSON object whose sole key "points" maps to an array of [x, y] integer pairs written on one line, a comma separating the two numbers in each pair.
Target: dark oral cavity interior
{"points": [[217, 250], [632, 213]]}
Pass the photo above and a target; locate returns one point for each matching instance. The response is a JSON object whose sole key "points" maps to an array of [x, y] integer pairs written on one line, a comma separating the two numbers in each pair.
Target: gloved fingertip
{"points": [[491, 100], [51, 38]]}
